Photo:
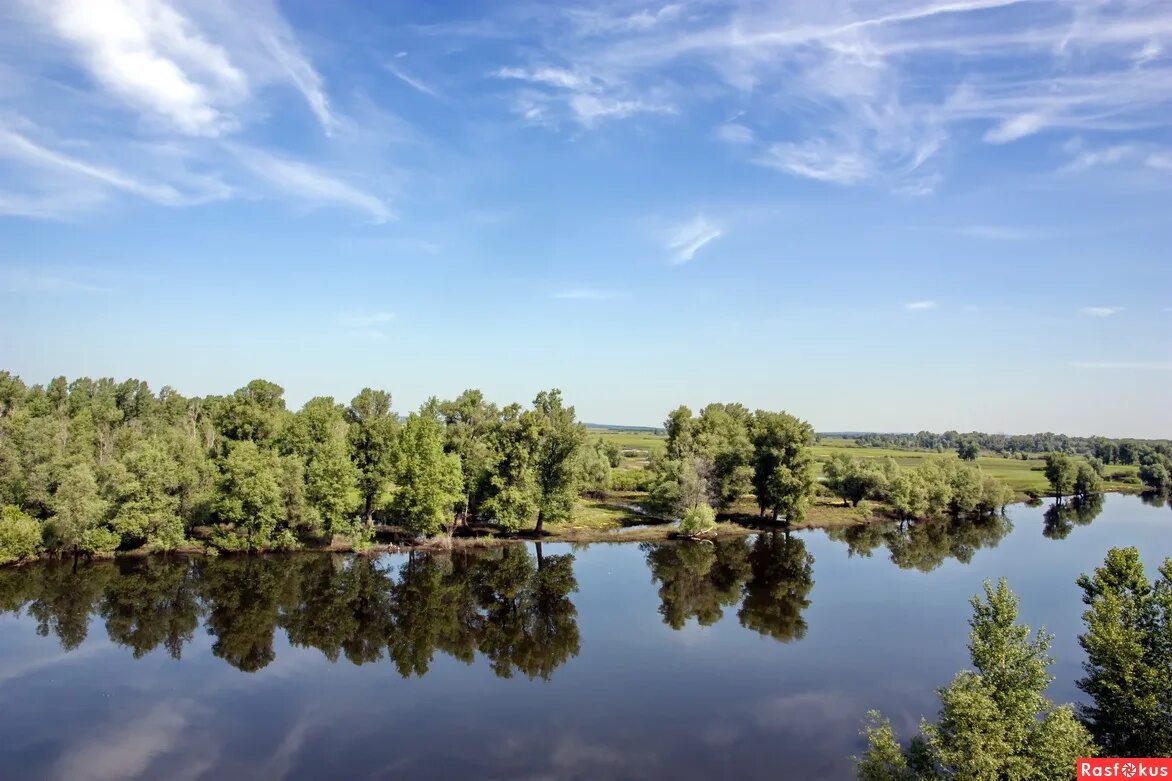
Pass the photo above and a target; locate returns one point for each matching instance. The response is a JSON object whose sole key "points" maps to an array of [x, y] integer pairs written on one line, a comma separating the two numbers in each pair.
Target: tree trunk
{"points": [[540, 559], [540, 520]]}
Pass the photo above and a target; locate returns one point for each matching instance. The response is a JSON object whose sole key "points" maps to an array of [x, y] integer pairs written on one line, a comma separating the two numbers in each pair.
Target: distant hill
{"points": [[614, 427]]}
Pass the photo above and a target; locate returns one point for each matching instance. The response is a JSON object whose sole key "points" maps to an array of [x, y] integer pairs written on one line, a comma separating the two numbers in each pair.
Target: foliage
{"points": [[968, 450], [697, 520], [783, 474], [1128, 643], [20, 535], [428, 479], [1062, 472], [371, 436], [995, 722], [852, 479]]}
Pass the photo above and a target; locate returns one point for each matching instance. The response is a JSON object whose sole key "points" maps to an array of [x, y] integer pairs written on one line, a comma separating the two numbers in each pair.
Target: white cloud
{"points": [[733, 133], [195, 70], [589, 294], [1101, 311], [920, 306], [585, 98], [411, 81], [1016, 127], [869, 92], [155, 59], [819, 160], [685, 240], [17, 147], [311, 184]]}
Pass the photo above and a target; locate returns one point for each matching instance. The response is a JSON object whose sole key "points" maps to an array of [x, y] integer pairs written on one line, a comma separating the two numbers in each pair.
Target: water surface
{"points": [[751, 658]]}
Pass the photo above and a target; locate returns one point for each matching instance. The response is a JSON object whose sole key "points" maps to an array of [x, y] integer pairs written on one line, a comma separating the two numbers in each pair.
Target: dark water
{"points": [[751, 658]]}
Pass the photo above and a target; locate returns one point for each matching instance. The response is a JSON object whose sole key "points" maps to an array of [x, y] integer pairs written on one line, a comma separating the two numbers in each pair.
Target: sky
{"points": [[880, 215]]}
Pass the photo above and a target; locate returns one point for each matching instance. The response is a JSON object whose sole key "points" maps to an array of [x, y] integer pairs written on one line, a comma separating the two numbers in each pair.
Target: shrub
{"points": [[698, 520], [20, 535]]}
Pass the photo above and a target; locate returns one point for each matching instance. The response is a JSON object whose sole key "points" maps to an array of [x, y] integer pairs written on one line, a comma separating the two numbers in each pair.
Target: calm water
{"points": [[752, 658]]}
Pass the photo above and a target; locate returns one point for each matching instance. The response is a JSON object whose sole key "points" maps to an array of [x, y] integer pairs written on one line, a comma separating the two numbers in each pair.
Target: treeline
{"points": [[93, 466], [933, 489], [1109, 451], [995, 719]]}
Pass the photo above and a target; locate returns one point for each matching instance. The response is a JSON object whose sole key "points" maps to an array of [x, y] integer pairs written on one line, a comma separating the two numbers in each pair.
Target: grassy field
{"points": [[1022, 476]]}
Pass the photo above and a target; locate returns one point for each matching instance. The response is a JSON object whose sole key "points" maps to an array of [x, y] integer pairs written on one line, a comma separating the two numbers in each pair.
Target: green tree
{"points": [[372, 432], [851, 479], [512, 495], [1061, 471], [968, 450], [20, 535], [79, 514], [317, 435], [995, 722], [555, 458], [250, 496], [470, 423], [1087, 481], [722, 438], [783, 469], [428, 479], [1128, 669]]}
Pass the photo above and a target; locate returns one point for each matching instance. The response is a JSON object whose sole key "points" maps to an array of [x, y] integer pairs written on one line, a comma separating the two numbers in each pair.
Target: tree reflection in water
{"points": [[1060, 518], [770, 578], [512, 607], [925, 545]]}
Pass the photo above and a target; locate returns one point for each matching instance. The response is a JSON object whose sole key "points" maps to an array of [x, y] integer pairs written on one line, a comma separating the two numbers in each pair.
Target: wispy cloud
{"points": [[1101, 311], [1000, 232], [28, 281], [586, 98], [1154, 366], [17, 147], [869, 92], [920, 306], [733, 133], [311, 184], [414, 83], [685, 240], [589, 294]]}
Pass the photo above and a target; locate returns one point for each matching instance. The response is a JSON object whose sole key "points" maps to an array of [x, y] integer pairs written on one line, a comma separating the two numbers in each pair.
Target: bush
{"points": [[99, 540], [630, 479], [20, 535], [698, 520]]}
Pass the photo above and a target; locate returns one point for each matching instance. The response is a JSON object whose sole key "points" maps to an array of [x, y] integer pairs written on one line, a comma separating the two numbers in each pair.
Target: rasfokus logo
{"points": [[1109, 767]]}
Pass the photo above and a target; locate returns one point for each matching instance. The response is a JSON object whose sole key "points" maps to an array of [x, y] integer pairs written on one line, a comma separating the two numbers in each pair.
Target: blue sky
{"points": [[886, 215]]}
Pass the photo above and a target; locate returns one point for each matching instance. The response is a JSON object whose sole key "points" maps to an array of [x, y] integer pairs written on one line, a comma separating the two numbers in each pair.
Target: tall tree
{"points": [[317, 435], [1061, 471], [995, 721], [783, 469], [372, 433], [250, 497], [470, 423], [1128, 643], [428, 479], [555, 459]]}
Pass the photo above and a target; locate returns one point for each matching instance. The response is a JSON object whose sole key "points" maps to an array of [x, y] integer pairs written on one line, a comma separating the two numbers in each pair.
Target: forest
{"points": [[100, 466]]}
